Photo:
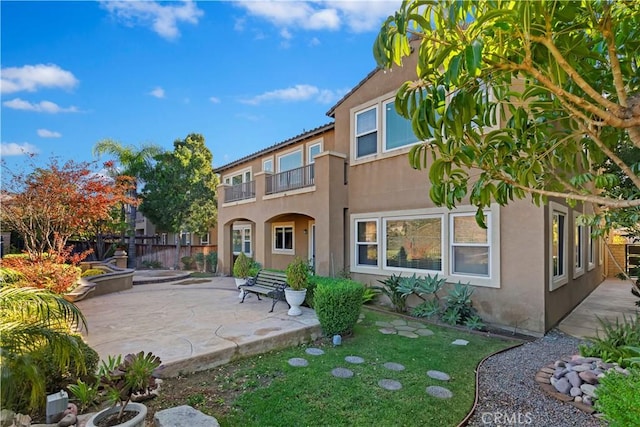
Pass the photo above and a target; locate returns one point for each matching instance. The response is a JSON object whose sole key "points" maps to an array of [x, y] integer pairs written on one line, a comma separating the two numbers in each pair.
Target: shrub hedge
{"points": [[619, 398], [337, 303]]}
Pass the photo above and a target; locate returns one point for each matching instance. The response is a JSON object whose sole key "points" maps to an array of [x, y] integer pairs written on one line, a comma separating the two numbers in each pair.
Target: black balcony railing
{"points": [[246, 190], [290, 180]]}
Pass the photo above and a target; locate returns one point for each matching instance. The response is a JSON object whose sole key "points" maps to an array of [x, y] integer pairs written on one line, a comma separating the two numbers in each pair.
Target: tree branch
{"points": [[613, 56]]}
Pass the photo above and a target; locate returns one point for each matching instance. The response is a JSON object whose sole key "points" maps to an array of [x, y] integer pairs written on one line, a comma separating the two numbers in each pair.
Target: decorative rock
{"points": [[574, 379], [314, 351], [298, 362], [587, 400], [589, 377], [578, 399], [563, 386], [437, 375], [622, 371], [183, 416], [407, 334], [68, 420], [575, 391], [582, 368], [424, 332], [342, 373], [560, 372], [71, 409], [6, 417], [416, 325], [354, 359], [553, 380], [559, 364], [388, 384], [440, 392], [589, 390], [406, 328], [387, 331], [460, 342], [392, 366], [601, 376]]}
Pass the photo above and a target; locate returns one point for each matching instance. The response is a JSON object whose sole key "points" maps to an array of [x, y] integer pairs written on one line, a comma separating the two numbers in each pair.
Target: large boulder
{"points": [[183, 416]]}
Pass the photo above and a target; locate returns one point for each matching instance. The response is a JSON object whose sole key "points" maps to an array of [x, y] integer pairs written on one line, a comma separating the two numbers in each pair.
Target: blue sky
{"points": [[246, 75]]}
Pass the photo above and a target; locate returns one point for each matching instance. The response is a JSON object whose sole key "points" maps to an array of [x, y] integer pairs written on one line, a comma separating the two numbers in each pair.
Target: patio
{"points": [[192, 324]]}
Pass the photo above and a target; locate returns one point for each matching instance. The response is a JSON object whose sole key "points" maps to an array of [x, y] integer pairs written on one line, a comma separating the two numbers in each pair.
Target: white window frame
{"points": [[560, 280], [204, 239], [264, 163], [357, 243], [591, 250], [453, 244], [243, 228], [383, 106], [228, 179], [289, 153], [600, 251], [357, 135], [310, 158], [578, 246], [284, 226], [164, 239], [409, 218]]}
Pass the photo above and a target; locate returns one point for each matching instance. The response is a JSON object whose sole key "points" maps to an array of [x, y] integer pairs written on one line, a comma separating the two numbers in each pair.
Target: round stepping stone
{"points": [[399, 322], [314, 351], [439, 392], [407, 334], [388, 384], [424, 332], [354, 359], [437, 375], [387, 331], [405, 328], [394, 366], [383, 324], [298, 362], [342, 373]]}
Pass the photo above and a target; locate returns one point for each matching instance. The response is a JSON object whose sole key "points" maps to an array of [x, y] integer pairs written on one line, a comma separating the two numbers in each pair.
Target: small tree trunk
{"points": [[176, 266]]}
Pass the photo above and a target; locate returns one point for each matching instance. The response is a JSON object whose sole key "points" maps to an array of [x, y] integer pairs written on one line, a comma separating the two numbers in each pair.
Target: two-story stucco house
{"points": [[344, 196]]}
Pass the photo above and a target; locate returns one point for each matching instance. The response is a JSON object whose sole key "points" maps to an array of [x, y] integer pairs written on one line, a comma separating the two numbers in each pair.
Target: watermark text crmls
{"points": [[507, 418]]}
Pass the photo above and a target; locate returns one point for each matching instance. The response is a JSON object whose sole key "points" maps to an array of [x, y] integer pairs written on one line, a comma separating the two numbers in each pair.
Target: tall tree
{"points": [[518, 98], [180, 190], [133, 162]]}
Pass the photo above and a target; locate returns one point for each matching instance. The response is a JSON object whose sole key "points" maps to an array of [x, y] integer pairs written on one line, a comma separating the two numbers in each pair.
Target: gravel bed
{"points": [[509, 394]]}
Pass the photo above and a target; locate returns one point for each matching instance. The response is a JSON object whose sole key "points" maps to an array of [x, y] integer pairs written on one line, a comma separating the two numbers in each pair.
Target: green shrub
{"points": [[151, 263], [241, 266], [616, 339], [619, 398], [391, 290], [298, 274], [92, 272], [187, 262], [212, 261], [314, 282], [338, 306]]}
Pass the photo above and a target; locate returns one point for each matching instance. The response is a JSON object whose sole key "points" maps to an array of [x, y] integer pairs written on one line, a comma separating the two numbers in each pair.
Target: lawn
{"points": [[267, 391]]}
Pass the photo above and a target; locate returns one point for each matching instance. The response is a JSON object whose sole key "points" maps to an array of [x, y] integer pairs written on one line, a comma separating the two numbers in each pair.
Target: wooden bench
{"points": [[269, 283]]}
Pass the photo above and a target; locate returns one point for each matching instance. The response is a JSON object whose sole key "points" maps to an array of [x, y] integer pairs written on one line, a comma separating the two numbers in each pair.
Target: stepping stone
{"points": [[416, 325], [407, 334], [460, 342], [342, 373], [439, 392], [437, 375], [388, 384], [383, 324], [394, 366], [298, 362], [314, 351], [387, 331], [399, 322], [354, 359], [424, 332], [406, 328]]}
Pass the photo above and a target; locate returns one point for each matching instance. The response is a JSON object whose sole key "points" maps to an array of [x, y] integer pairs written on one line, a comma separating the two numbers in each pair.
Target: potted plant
{"points": [[241, 268], [122, 380], [297, 281]]}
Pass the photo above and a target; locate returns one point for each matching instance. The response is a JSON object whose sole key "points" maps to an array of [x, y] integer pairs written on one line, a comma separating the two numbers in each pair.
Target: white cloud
{"points": [[33, 77], [358, 16], [46, 133], [40, 107], [17, 149], [314, 42], [296, 93], [157, 92], [163, 19], [285, 34], [215, 100]]}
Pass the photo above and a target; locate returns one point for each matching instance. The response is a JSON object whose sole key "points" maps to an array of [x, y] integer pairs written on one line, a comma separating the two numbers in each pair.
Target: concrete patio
{"points": [[611, 300], [192, 324]]}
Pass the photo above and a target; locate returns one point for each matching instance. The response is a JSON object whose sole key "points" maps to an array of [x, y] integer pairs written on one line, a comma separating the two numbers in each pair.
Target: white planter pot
{"points": [[295, 300], [137, 421], [240, 282]]}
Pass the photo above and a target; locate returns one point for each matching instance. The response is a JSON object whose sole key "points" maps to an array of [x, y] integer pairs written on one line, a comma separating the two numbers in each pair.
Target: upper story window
{"points": [[238, 177], [314, 150], [290, 161], [398, 131], [367, 132], [204, 239], [267, 165]]}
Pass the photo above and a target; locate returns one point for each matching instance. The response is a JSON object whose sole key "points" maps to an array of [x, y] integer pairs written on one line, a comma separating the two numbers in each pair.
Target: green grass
{"points": [[278, 394]]}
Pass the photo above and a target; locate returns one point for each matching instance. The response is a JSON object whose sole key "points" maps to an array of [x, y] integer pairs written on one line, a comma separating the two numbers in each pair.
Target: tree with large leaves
{"points": [[522, 98], [133, 162], [180, 190]]}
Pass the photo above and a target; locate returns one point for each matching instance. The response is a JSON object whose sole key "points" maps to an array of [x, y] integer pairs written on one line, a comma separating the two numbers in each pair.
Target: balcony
{"points": [[290, 180], [246, 190]]}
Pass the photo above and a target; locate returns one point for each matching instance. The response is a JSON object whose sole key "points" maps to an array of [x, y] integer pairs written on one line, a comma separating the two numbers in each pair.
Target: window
{"points": [[283, 238], [558, 242], [470, 245], [578, 246], [414, 243], [267, 165], [398, 131], [600, 251], [185, 238], [241, 238], [163, 239], [367, 243], [238, 178], [367, 132], [204, 239], [314, 150], [591, 262], [290, 161]]}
